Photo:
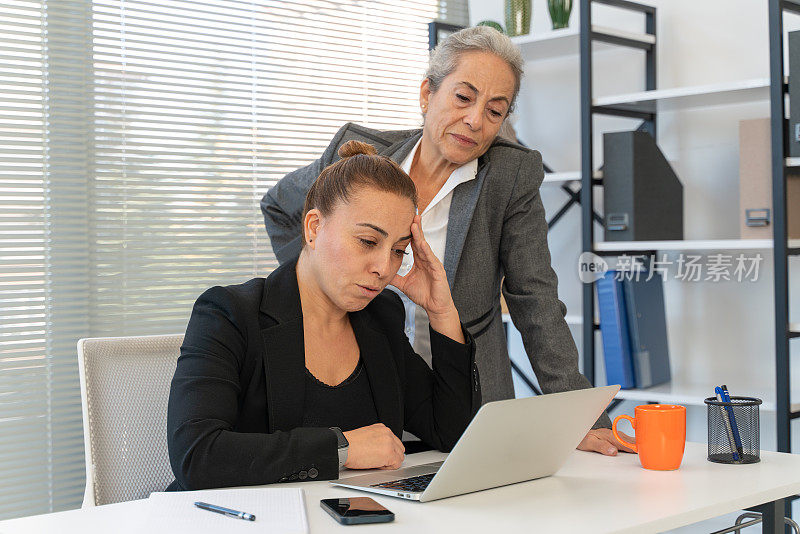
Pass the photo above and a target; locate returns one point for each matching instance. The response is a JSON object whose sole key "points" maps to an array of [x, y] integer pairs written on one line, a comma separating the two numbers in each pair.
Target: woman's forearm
{"points": [[201, 458]]}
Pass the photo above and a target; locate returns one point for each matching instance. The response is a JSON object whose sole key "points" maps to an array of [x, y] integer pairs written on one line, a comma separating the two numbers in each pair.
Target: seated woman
{"points": [[309, 370]]}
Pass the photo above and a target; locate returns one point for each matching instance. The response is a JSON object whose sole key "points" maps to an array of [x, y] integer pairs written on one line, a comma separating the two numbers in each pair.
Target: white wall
{"points": [[718, 332]]}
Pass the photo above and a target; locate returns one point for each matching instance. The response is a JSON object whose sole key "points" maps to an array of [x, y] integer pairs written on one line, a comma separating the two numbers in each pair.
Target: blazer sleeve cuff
{"points": [[460, 356], [441, 344], [603, 422], [317, 458]]}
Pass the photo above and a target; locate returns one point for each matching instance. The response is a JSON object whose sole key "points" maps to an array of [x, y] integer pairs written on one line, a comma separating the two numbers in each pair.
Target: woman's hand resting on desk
{"points": [[426, 285], [602, 440], [373, 446]]}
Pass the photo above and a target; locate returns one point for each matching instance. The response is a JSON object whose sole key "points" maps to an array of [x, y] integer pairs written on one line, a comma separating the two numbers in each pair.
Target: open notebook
{"points": [[276, 510]]}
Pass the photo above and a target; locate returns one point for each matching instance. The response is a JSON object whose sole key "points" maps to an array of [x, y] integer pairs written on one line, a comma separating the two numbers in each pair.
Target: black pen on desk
{"points": [[225, 511]]}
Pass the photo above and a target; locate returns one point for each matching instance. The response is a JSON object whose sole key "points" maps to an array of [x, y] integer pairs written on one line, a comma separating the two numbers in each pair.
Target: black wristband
{"points": [[341, 445]]}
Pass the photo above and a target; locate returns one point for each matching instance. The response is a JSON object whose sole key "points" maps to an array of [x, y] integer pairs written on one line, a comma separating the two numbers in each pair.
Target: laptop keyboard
{"points": [[408, 484]]}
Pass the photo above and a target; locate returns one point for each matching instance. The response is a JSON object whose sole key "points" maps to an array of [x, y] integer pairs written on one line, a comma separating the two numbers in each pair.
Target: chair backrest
{"points": [[125, 385]]}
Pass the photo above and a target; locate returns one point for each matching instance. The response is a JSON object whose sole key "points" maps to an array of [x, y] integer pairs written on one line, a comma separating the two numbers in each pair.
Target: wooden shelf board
{"points": [[566, 42], [695, 394], [641, 37], [689, 97], [792, 162], [559, 177], [571, 319], [709, 244]]}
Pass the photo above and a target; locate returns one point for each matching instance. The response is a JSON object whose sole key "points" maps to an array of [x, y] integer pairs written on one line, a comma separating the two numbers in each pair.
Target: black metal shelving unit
{"points": [[587, 36], [782, 251]]}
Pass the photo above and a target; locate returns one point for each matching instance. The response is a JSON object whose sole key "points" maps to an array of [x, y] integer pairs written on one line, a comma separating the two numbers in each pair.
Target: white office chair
{"points": [[124, 391]]}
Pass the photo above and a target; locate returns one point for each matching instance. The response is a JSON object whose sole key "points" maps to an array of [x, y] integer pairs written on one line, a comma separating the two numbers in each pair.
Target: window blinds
{"points": [[200, 106], [44, 254], [138, 138]]}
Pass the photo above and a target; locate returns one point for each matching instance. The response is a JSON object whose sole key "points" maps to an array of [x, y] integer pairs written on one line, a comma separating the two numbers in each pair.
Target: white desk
{"points": [[591, 493]]}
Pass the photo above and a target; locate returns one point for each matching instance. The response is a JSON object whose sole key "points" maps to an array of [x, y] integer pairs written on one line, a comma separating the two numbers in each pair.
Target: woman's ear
{"points": [[311, 224], [424, 95]]}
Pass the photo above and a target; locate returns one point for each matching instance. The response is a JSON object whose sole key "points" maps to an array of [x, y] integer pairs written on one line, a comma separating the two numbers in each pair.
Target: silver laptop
{"points": [[507, 442]]}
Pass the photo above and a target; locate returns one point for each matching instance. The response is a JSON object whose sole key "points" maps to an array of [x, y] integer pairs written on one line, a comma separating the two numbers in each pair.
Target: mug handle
{"points": [[619, 438]]}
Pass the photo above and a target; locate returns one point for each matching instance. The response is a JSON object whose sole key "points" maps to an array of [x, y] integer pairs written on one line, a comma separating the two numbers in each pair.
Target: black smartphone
{"points": [[356, 510]]}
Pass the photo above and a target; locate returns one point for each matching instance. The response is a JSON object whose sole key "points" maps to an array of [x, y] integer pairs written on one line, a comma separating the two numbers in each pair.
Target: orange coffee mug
{"points": [[660, 435]]}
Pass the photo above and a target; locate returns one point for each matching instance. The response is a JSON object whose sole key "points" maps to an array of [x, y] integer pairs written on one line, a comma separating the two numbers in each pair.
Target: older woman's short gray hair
{"points": [[444, 58]]}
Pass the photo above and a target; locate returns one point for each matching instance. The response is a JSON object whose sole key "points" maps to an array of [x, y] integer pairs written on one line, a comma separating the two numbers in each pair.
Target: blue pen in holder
{"points": [[733, 430]]}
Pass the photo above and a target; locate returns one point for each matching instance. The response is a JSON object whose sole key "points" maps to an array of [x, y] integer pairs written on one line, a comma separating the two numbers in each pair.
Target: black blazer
{"points": [[236, 400]]}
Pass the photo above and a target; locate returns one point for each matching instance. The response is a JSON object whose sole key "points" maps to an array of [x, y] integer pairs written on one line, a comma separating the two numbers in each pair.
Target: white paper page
{"points": [[276, 510]]}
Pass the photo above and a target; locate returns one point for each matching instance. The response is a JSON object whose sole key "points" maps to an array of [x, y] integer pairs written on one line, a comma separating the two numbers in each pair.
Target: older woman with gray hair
{"points": [[481, 212]]}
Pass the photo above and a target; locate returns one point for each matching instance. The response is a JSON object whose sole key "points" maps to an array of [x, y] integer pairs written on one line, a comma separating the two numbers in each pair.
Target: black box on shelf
{"points": [[794, 93], [642, 197]]}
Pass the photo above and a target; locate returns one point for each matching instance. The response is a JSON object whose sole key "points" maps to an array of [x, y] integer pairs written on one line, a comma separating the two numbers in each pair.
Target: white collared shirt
{"points": [[434, 225]]}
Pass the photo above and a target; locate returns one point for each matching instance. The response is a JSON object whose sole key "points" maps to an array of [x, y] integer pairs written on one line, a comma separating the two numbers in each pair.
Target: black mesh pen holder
{"points": [[733, 430]]}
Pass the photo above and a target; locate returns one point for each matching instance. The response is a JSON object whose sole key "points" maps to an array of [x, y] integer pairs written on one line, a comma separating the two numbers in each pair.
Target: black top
{"points": [[348, 405], [235, 415]]}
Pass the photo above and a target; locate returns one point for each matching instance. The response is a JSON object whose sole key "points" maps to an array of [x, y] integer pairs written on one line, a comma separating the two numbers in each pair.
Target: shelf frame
{"points": [[645, 106], [589, 35], [792, 6], [784, 410]]}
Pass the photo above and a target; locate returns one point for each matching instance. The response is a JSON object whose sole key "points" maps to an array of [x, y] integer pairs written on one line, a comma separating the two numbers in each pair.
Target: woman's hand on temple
{"points": [[373, 446], [426, 285]]}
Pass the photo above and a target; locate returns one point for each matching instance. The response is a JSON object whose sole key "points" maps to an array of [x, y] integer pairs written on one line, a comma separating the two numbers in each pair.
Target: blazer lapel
{"points": [[381, 371], [284, 349], [462, 206], [400, 150]]}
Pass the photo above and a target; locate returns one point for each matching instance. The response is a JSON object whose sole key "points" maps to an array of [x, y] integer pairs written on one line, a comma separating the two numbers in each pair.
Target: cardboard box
{"points": [[755, 184]]}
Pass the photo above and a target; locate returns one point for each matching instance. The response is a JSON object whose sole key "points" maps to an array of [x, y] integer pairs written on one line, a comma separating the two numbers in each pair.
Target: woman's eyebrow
{"points": [[469, 86], [475, 90], [381, 231], [378, 229]]}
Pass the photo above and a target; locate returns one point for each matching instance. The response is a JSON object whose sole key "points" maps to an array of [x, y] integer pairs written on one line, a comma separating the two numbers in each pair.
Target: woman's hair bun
{"points": [[354, 148]]}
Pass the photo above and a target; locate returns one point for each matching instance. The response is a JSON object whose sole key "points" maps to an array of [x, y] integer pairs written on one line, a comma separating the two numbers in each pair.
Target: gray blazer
{"points": [[497, 228]]}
